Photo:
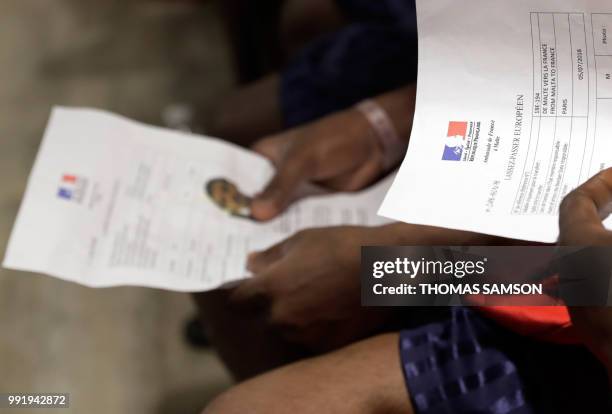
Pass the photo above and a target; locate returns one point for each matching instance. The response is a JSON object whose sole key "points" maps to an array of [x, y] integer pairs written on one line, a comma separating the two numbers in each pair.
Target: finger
{"points": [[601, 187], [582, 211], [257, 291], [273, 148], [259, 261], [282, 188]]}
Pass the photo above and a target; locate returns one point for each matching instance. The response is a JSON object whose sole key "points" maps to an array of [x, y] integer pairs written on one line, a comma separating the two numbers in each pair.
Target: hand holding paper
{"points": [[113, 202], [338, 153], [513, 112]]}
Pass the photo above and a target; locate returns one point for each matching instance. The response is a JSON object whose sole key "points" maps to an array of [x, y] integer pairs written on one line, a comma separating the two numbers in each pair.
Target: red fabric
{"points": [[547, 323], [550, 322]]}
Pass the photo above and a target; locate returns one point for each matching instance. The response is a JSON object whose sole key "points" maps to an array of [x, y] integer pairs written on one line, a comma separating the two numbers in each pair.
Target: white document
{"points": [[114, 202], [514, 110]]}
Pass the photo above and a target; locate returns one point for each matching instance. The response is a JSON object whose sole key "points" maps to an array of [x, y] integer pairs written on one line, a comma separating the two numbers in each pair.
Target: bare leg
{"points": [[254, 110], [364, 378], [249, 345], [244, 341], [250, 113]]}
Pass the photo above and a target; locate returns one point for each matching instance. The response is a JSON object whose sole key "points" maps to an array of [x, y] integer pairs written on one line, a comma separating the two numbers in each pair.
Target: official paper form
{"points": [[114, 202], [514, 110]]}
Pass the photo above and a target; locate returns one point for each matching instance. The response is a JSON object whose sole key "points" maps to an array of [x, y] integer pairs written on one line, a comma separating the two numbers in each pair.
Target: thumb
{"points": [[273, 147], [281, 190]]}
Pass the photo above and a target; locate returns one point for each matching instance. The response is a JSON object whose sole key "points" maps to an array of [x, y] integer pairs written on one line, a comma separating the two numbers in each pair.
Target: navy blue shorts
{"points": [[467, 364], [374, 54]]}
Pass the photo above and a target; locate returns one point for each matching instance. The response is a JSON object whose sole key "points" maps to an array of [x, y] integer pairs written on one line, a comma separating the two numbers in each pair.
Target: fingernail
{"points": [[262, 210]]}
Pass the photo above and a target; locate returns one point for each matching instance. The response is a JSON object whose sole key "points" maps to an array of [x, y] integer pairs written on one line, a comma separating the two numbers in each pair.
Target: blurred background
{"points": [[117, 350]]}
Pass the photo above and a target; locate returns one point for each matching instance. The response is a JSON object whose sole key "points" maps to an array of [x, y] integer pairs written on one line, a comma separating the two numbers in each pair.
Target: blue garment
{"points": [[466, 364], [376, 53], [402, 12]]}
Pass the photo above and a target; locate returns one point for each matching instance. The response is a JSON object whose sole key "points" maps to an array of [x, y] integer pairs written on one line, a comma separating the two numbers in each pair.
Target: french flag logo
{"points": [[71, 188], [455, 141]]}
